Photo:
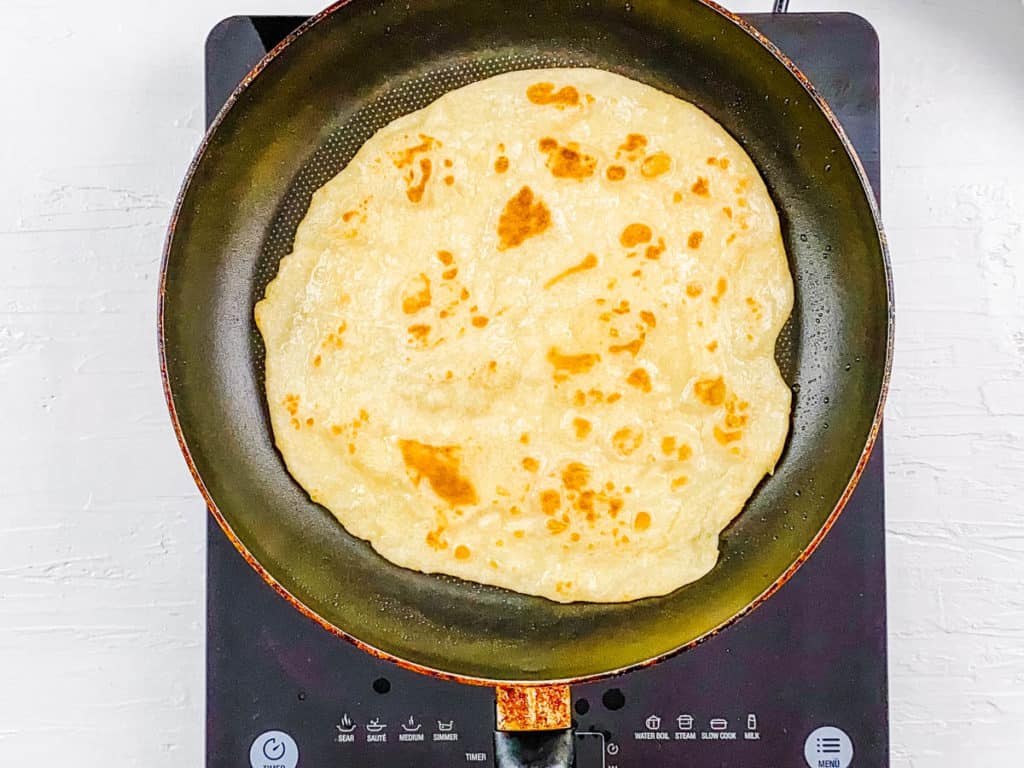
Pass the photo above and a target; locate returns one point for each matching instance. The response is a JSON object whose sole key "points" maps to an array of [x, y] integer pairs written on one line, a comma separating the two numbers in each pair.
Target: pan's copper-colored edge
{"points": [[374, 651]]}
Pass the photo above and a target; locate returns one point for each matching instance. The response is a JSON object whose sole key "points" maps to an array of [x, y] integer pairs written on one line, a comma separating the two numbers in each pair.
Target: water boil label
{"points": [[653, 732]]}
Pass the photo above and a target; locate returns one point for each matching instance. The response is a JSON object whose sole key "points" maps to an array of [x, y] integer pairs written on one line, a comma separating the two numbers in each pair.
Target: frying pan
{"points": [[297, 119]]}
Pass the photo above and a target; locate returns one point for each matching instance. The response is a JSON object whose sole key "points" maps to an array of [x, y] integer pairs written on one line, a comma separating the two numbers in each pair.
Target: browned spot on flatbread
{"points": [[572, 364], [654, 251], [415, 191], [632, 347], [406, 156], [720, 288], [582, 427], [550, 502], [417, 295], [640, 379], [633, 142], [557, 526], [710, 392], [626, 441], [419, 332], [568, 161], [700, 187], [655, 165], [435, 538], [501, 164], [634, 234], [524, 216], [575, 476], [544, 94], [441, 467], [589, 262], [725, 437], [615, 173], [695, 239]]}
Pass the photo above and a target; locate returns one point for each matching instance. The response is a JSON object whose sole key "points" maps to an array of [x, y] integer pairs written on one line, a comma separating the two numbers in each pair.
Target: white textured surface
{"points": [[101, 585]]}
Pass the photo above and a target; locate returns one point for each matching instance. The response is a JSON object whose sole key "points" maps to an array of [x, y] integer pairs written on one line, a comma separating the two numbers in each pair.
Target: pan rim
{"points": [[333, 629]]}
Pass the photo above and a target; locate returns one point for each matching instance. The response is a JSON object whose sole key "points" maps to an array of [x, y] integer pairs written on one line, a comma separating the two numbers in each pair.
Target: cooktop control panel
{"points": [[304, 698], [613, 730], [801, 681]]}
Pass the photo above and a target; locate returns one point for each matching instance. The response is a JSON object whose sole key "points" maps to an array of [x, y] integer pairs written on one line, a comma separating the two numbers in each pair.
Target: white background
{"points": [[101, 530]]}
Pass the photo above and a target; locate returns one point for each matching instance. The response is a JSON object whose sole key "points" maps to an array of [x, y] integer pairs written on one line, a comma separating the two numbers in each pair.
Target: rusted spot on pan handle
{"points": [[533, 707]]}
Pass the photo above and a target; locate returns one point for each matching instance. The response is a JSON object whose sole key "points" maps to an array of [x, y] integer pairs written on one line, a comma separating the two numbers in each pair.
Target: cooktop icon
{"points": [[376, 726], [653, 723], [718, 724], [828, 747], [273, 748], [685, 722], [345, 725], [411, 726], [445, 727]]}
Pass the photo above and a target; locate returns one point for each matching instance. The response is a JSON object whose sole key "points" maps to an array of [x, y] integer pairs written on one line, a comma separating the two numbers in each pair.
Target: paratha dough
{"points": [[526, 337]]}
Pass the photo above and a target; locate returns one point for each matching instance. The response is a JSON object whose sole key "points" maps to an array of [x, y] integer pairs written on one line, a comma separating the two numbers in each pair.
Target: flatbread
{"points": [[526, 337]]}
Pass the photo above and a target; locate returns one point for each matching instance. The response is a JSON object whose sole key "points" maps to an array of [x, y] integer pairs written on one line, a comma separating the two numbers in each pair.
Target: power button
{"points": [[274, 749]]}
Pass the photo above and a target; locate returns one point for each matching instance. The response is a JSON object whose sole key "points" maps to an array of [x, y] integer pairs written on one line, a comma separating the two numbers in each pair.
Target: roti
{"points": [[526, 338]]}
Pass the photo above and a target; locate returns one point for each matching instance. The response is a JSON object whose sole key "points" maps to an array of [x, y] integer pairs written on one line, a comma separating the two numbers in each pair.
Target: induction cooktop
{"points": [[801, 681]]}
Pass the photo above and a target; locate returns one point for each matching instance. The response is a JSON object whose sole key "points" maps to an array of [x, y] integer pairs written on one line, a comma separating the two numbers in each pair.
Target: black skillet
{"points": [[297, 119]]}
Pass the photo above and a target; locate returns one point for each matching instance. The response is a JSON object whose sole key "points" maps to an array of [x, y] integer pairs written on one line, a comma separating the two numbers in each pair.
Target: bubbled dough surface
{"points": [[429, 466]]}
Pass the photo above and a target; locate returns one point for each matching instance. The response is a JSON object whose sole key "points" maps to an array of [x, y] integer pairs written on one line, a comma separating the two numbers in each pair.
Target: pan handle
{"points": [[780, 6], [534, 727], [534, 749]]}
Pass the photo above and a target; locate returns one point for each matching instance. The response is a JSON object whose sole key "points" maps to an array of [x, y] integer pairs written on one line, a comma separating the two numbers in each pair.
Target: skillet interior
{"points": [[299, 122]]}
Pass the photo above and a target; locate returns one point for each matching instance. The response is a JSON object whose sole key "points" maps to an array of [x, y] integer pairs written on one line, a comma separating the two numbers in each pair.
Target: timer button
{"points": [[274, 749]]}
